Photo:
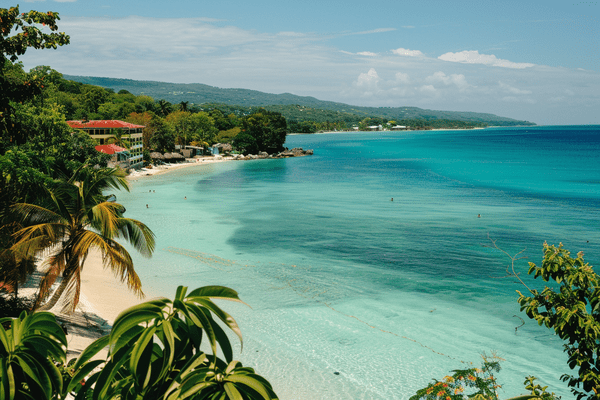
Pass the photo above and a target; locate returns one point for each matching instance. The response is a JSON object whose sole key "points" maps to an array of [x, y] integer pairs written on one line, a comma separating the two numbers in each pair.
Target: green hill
{"points": [[286, 103]]}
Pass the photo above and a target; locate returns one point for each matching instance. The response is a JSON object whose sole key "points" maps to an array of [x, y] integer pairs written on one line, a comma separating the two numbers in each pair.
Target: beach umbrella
{"points": [[155, 155]]}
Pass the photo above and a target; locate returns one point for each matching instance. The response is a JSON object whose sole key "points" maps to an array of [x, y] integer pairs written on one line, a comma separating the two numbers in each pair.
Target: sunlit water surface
{"points": [[355, 296]]}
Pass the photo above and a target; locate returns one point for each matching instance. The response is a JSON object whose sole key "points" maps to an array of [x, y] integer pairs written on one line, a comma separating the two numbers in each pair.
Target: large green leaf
{"points": [[90, 352], [82, 373], [232, 392], [222, 315], [215, 292], [199, 318], [133, 319], [139, 358], [253, 383]]}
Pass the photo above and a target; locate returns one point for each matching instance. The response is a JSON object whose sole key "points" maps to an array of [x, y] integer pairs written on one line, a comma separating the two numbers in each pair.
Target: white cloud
{"points": [[368, 82], [406, 52], [473, 57], [457, 80], [506, 88], [366, 53], [378, 30], [402, 78]]}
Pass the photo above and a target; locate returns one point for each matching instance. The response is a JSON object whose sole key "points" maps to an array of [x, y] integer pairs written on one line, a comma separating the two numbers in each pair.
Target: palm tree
{"points": [[79, 217], [118, 138]]}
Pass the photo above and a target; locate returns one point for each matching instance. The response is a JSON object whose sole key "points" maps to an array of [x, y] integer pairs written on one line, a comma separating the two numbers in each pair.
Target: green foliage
{"points": [[478, 384], [267, 129], [537, 390], [18, 32], [292, 107], [572, 309], [228, 135], [153, 353], [470, 383], [29, 349]]}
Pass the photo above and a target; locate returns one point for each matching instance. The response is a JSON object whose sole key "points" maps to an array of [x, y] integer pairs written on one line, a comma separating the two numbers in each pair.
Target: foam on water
{"points": [[388, 294]]}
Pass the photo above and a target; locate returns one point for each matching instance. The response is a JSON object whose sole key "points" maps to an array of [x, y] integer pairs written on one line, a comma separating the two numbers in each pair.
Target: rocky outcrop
{"points": [[295, 152]]}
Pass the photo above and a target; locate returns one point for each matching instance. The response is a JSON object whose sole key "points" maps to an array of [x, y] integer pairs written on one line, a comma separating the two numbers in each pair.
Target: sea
{"points": [[384, 260]]}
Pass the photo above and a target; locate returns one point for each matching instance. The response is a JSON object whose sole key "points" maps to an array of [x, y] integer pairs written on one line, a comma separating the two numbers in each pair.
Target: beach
{"points": [[161, 169], [103, 296]]}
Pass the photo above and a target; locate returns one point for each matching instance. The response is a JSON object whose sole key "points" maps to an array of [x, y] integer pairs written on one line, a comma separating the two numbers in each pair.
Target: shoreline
{"points": [[162, 169], [103, 297]]}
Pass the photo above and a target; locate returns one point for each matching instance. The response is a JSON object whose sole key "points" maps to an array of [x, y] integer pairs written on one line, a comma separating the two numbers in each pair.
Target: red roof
{"points": [[103, 124], [110, 148]]}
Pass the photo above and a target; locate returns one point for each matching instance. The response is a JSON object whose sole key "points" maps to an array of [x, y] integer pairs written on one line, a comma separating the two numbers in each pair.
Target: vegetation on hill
{"points": [[292, 107]]}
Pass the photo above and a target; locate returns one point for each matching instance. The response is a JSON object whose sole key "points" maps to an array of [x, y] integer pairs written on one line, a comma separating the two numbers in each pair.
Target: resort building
{"points": [[120, 155], [111, 131]]}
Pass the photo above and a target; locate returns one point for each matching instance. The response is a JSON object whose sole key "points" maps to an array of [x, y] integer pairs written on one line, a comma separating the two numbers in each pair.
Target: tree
{"points": [[77, 218], [164, 107], [119, 138], [180, 122], [572, 309], [268, 128], [203, 127], [13, 44], [245, 143]]}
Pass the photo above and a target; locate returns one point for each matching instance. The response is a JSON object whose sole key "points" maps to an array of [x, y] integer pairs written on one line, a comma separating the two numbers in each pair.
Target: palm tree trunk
{"points": [[56, 295]]}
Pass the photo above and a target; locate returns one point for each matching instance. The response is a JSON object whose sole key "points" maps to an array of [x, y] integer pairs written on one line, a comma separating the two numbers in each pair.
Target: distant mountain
{"points": [[197, 93]]}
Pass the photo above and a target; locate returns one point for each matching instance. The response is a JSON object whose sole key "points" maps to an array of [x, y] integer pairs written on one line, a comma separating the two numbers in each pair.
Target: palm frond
{"points": [[36, 239], [35, 214], [138, 234], [105, 218], [115, 257]]}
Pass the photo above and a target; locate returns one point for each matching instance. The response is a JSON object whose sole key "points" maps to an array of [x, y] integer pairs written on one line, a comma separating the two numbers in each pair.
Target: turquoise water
{"points": [[355, 296]]}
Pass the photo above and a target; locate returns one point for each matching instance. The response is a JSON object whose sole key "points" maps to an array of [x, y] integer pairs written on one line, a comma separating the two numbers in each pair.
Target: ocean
{"points": [[353, 295]]}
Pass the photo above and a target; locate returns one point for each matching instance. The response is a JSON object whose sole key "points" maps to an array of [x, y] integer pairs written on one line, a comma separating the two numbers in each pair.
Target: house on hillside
{"points": [[109, 131]]}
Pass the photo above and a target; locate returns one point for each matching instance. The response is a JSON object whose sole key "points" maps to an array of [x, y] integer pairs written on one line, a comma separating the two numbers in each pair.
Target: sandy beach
{"points": [[161, 169]]}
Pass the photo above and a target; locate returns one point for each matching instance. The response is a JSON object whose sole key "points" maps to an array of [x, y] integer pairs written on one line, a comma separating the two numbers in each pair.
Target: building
{"points": [[120, 155], [108, 131]]}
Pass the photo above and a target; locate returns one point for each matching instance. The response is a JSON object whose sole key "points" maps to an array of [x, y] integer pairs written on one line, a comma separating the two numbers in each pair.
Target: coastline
{"points": [[162, 169]]}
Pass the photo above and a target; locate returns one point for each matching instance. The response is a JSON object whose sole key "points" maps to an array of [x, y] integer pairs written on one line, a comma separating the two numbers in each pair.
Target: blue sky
{"points": [[532, 60]]}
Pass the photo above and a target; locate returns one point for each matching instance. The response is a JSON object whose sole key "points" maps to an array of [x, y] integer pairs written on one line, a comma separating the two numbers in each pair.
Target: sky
{"points": [[531, 60]]}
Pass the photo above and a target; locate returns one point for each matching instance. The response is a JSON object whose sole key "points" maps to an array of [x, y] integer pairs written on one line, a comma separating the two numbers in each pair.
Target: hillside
{"points": [[197, 93]]}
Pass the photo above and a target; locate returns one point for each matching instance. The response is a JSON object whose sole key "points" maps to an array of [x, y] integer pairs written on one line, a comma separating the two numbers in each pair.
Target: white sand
{"points": [[161, 169]]}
